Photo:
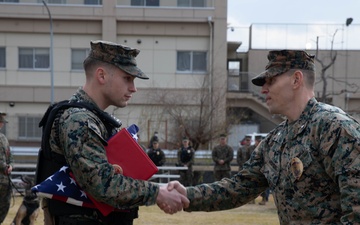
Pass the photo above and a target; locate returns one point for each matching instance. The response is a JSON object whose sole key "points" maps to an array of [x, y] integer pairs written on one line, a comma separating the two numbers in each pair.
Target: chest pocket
{"points": [[299, 167], [272, 159]]}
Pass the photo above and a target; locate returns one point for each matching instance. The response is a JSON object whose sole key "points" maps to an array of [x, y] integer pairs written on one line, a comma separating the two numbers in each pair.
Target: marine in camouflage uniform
{"points": [[80, 136], [185, 157], [311, 161], [244, 152], [222, 155], [6, 160]]}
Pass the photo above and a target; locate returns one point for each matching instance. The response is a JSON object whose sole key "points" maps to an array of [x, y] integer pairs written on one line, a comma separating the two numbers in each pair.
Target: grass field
{"points": [[250, 214]]}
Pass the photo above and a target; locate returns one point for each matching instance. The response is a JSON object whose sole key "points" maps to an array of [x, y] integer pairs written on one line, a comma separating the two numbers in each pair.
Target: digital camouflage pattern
{"points": [[282, 61], [327, 142], [81, 138], [120, 56], [6, 158], [224, 152], [243, 154]]}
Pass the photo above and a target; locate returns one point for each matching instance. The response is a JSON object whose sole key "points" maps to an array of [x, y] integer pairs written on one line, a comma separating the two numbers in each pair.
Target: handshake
{"points": [[172, 197]]}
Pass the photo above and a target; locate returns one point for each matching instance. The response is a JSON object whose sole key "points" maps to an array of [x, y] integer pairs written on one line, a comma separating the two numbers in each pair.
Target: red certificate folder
{"points": [[124, 151]]}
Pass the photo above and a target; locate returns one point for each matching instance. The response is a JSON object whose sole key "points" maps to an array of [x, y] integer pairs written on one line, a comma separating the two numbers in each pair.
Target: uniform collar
{"points": [[297, 127]]}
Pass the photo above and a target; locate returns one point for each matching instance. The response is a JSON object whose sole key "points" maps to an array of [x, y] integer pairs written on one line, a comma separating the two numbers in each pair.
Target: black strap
{"points": [[52, 112]]}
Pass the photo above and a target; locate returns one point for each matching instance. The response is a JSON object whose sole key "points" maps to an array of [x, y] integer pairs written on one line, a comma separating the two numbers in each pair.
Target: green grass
{"points": [[250, 214]]}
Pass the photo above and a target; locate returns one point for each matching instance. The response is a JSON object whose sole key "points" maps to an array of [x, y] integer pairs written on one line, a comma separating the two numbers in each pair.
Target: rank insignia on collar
{"points": [[296, 167]]}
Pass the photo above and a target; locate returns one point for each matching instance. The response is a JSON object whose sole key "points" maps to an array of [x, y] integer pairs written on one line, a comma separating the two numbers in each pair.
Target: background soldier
{"points": [[6, 159], [185, 157], [222, 155], [156, 154], [244, 152]]}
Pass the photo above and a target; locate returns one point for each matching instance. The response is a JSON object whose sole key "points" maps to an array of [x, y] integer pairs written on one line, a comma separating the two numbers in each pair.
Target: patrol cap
{"points": [[258, 137], [185, 139], [120, 56], [222, 135], [155, 139], [2, 117], [282, 61]]}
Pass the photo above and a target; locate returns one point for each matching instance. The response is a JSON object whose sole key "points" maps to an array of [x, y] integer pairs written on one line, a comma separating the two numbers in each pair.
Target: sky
{"points": [[243, 13]]}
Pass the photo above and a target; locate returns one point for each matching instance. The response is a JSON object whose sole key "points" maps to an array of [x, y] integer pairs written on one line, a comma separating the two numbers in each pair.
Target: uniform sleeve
{"points": [[192, 160], [5, 149], [239, 156], [163, 158], [214, 155], [85, 153], [341, 146], [230, 155], [229, 193]]}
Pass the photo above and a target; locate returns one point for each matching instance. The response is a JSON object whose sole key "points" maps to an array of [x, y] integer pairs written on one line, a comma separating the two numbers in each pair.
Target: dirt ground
{"points": [[250, 214]]}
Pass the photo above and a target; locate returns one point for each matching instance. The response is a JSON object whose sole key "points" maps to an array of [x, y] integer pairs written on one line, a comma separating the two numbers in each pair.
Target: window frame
{"points": [[86, 53], [191, 62], [29, 127], [2, 57], [35, 55], [191, 3], [90, 2], [146, 3]]}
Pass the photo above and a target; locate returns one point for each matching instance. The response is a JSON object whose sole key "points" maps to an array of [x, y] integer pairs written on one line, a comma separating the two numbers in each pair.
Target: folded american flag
{"points": [[62, 186]]}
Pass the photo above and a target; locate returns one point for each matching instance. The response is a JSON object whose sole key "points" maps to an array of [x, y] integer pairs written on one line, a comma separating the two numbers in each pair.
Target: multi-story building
{"points": [[184, 51], [42, 46]]}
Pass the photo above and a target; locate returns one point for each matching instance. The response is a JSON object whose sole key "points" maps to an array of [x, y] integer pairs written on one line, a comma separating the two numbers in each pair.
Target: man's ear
{"points": [[297, 79], [100, 75]]}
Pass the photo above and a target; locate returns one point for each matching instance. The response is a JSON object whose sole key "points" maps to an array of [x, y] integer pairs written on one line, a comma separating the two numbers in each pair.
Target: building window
{"points": [[93, 2], [9, 0], [56, 1], [77, 58], [2, 57], [34, 58], [29, 128], [145, 2], [191, 61], [191, 3]]}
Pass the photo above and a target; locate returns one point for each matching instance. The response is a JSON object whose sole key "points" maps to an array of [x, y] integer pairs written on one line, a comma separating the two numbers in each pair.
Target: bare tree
{"points": [[324, 76], [191, 114], [324, 66]]}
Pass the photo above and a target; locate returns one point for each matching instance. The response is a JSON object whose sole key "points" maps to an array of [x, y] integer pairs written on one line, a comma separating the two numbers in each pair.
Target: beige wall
{"points": [[351, 75], [162, 32]]}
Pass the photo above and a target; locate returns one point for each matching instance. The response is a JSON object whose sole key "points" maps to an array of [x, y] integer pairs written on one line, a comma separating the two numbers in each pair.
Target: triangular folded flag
{"points": [[61, 186]]}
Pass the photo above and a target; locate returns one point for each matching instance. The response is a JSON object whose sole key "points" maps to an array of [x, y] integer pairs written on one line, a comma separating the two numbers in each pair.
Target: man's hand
{"points": [[171, 201], [177, 186], [8, 170]]}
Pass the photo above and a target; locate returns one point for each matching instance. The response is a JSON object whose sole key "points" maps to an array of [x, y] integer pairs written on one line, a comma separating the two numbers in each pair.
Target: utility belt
{"points": [[63, 210]]}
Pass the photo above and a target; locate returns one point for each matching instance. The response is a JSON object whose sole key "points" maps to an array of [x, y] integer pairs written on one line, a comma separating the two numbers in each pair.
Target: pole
{"points": [[51, 54]]}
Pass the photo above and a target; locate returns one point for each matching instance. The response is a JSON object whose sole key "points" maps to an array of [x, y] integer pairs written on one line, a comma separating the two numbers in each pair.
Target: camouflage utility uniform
{"points": [[6, 159], [243, 155], [226, 153], [81, 136], [185, 157], [326, 141]]}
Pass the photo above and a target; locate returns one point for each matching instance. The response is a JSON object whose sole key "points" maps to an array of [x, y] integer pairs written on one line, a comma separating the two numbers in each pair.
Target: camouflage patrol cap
{"points": [[121, 56], [2, 117], [282, 61]]}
